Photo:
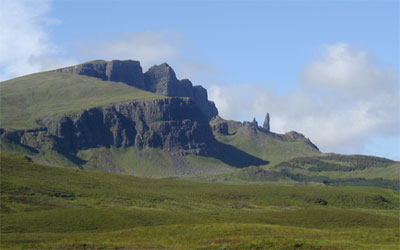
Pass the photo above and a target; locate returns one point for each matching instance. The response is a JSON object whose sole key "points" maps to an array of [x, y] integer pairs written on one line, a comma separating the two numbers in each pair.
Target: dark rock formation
{"points": [[266, 123], [219, 125], [252, 124], [171, 124], [160, 79]]}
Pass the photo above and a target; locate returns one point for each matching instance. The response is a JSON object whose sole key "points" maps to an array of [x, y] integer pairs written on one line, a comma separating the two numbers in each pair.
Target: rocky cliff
{"points": [[171, 124], [160, 79]]}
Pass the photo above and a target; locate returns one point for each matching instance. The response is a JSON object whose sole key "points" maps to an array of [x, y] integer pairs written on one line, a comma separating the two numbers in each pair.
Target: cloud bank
{"points": [[343, 99], [25, 44]]}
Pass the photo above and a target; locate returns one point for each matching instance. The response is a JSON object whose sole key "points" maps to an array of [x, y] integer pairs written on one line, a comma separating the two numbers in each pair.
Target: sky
{"points": [[327, 69]]}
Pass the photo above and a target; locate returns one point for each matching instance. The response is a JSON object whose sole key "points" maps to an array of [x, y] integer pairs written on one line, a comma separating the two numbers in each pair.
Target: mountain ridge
{"points": [[110, 116], [160, 79]]}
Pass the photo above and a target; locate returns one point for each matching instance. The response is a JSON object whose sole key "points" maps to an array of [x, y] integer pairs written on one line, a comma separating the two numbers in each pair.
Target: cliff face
{"points": [[160, 79], [172, 124]]}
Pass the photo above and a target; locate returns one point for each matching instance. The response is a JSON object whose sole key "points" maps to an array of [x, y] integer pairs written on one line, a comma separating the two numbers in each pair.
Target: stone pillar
{"points": [[266, 123]]}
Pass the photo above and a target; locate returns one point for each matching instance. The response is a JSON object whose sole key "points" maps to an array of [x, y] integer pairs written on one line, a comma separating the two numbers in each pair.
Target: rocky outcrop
{"points": [[171, 124], [295, 136], [219, 125], [250, 128], [160, 79]]}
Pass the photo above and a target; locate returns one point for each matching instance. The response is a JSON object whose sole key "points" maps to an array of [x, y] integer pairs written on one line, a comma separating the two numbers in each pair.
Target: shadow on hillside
{"points": [[236, 157], [73, 158]]}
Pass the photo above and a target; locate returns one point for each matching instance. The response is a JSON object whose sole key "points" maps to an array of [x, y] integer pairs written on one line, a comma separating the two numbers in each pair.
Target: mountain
{"points": [[113, 117], [159, 79]]}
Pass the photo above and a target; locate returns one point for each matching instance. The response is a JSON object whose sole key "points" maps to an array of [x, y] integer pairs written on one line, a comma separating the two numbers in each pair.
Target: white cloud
{"points": [[344, 98], [350, 71], [147, 47], [25, 45]]}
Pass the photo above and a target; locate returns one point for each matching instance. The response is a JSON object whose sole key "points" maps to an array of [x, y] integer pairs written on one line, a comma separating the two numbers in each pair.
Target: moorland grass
{"points": [[59, 208]]}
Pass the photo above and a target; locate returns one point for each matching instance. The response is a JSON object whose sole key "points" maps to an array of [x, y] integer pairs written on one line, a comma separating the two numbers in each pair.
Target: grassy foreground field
{"points": [[45, 207]]}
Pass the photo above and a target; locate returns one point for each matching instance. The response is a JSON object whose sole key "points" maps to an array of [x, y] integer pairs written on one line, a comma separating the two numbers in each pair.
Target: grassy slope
{"points": [[25, 99], [265, 146], [149, 162], [46, 156], [391, 172], [272, 148], [50, 207], [344, 170], [351, 166]]}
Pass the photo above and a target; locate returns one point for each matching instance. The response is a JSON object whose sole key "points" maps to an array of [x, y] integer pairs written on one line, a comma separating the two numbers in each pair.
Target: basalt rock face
{"points": [[171, 124], [160, 79]]}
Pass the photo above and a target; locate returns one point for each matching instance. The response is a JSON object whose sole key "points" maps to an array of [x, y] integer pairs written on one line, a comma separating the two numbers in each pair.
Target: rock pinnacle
{"points": [[266, 123]]}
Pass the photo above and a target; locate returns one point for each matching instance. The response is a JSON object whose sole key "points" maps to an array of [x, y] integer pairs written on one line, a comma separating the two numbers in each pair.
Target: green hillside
{"points": [[325, 169], [44, 207], [26, 99], [150, 162], [345, 166], [267, 146]]}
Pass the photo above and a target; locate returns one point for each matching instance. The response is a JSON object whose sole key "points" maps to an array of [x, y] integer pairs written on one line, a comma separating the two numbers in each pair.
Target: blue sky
{"points": [[329, 70]]}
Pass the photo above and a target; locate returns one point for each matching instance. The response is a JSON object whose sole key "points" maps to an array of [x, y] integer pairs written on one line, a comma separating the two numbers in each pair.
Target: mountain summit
{"points": [[159, 79]]}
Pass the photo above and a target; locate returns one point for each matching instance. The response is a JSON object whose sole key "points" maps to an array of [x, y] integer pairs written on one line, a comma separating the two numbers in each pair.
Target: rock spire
{"points": [[266, 123]]}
